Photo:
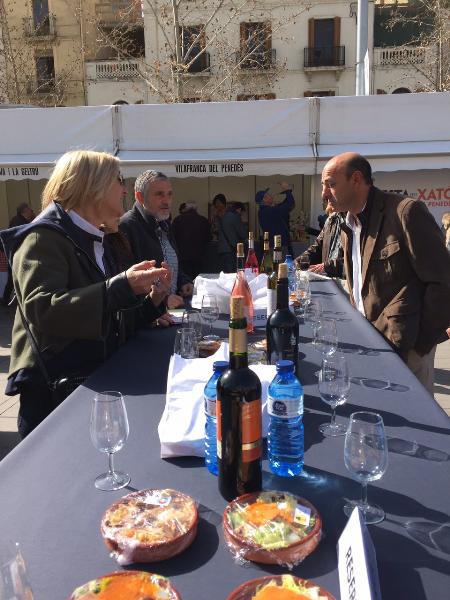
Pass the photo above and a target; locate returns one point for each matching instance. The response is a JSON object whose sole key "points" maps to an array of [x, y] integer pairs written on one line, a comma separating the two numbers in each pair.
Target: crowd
{"points": [[87, 274]]}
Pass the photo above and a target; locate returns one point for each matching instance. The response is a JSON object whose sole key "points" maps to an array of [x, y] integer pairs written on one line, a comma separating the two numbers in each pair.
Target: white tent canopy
{"points": [[286, 137]]}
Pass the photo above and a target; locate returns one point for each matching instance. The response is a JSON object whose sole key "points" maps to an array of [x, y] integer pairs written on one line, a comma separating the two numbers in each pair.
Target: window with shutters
{"points": [[256, 46], [324, 49], [45, 74]]}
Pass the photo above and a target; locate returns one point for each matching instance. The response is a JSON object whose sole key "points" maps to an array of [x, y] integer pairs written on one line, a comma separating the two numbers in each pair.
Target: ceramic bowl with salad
{"points": [[272, 528], [280, 587]]}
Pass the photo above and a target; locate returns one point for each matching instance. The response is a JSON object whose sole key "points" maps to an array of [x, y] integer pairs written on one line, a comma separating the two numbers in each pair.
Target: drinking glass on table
{"points": [[109, 431], [303, 291], [192, 320], [313, 314], [334, 386], [210, 313], [188, 343], [304, 262], [366, 457]]}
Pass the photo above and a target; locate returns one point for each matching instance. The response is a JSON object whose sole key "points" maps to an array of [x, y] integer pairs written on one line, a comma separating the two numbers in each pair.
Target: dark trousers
{"points": [[36, 404], [227, 262]]}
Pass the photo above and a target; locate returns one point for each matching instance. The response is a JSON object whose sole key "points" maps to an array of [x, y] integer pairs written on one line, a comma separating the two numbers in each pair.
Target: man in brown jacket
{"points": [[396, 263]]}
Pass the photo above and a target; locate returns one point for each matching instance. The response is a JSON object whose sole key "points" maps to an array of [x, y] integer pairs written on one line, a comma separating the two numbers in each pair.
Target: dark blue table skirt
{"points": [[49, 504]]}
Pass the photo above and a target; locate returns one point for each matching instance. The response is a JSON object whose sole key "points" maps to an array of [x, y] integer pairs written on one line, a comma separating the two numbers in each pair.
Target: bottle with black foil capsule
{"points": [[272, 278], [239, 415], [282, 326], [251, 262], [266, 265], [241, 287]]}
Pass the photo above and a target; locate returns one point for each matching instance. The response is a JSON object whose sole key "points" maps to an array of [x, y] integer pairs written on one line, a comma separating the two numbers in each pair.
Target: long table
{"points": [[49, 505]]}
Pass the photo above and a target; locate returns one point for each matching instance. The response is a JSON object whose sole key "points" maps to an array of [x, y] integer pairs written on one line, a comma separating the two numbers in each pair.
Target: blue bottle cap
{"points": [[284, 365], [220, 365]]}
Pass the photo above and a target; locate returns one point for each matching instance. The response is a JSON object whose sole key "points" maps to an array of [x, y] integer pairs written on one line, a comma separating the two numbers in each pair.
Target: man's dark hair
{"points": [[21, 208], [182, 207], [219, 199], [238, 205], [361, 164]]}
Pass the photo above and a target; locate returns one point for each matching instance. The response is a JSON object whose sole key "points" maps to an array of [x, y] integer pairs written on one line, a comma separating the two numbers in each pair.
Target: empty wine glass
{"points": [[334, 386], [303, 291], [313, 315], [325, 338], [366, 457], [109, 431], [210, 313]]}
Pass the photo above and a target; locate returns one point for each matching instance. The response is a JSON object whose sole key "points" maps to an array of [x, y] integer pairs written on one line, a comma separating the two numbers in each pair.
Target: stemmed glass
{"points": [[303, 291], [334, 386], [210, 313], [109, 431], [366, 457], [304, 262], [325, 338], [193, 320], [313, 314]]}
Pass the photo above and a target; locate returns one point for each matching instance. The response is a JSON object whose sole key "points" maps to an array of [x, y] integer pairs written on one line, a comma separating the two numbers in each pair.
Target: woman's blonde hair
{"points": [[80, 177], [446, 220]]}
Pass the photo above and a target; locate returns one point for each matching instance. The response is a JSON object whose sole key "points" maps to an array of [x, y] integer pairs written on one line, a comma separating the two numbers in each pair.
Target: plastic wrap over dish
{"points": [[272, 528], [284, 587], [132, 585], [149, 525]]}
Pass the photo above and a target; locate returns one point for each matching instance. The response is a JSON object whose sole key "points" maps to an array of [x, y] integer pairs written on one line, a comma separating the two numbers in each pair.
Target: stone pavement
{"points": [[10, 405]]}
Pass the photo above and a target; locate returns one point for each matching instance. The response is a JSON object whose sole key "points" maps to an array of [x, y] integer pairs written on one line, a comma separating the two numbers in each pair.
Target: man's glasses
{"points": [[121, 179]]}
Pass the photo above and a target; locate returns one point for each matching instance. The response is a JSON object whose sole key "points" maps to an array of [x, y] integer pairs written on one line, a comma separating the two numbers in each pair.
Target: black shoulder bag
{"points": [[59, 388]]}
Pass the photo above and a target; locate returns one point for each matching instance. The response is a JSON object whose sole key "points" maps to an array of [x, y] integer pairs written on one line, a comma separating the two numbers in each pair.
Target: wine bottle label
{"points": [[219, 428], [251, 426], [238, 340], [284, 408], [271, 301], [210, 407]]}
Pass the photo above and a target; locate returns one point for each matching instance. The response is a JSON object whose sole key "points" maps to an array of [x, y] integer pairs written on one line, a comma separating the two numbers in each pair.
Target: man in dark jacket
{"points": [[326, 254], [192, 233], [274, 218], [148, 230]]}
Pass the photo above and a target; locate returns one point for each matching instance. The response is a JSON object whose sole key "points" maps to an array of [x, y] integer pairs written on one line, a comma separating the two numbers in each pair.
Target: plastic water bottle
{"points": [[285, 437], [210, 413], [291, 272]]}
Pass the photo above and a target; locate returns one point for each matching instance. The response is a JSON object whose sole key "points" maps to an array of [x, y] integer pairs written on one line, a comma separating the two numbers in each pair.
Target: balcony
{"points": [[118, 70], [259, 60], [402, 55], [43, 31], [324, 57], [201, 65]]}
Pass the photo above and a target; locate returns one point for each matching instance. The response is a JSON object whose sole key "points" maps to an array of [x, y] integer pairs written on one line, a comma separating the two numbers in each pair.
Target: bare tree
{"points": [[426, 25], [177, 67]]}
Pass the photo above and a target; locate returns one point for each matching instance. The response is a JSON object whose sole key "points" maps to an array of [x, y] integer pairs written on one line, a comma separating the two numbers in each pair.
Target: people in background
{"points": [[446, 229], [274, 218], [326, 254], [396, 264], [192, 234], [231, 231], [68, 296], [24, 215], [148, 230]]}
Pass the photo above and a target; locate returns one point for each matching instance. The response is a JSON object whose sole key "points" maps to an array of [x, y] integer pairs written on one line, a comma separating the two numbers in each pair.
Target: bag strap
{"points": [[37, 353]]}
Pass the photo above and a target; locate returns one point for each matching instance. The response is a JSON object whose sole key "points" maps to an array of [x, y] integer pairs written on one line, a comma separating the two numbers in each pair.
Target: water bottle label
{"points": [[284, 408], [210, 407]]}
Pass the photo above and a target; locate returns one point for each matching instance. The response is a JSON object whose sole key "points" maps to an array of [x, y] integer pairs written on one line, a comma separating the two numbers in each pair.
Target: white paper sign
{"points": [[357, 564]]}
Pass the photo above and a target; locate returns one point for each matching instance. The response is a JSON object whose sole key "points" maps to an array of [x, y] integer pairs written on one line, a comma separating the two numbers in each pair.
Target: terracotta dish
{"points": [[132, 585], [272, 527], [149, 525], [280, 587], [208, 347]]}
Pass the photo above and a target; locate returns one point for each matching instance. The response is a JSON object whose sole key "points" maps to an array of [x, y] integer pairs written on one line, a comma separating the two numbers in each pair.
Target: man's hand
{"points": [[164, 320], [144, 275], [174, 301], [317, 268], [186, 290]]}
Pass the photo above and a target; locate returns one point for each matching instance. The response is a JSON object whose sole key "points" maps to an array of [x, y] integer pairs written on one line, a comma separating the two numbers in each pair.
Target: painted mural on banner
{"points": [[431, 187]]}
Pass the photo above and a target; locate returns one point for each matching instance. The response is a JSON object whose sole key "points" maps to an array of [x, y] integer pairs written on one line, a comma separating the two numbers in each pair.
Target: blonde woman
{"points": [[69, 295], [446, 228]]}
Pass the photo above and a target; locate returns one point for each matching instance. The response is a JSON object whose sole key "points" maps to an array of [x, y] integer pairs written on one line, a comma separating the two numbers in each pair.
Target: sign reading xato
{"points": [[210, 168]]}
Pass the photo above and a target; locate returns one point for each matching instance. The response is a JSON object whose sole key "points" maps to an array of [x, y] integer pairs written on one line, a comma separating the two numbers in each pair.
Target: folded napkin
{"points": [[182, 427], [221, 288]]}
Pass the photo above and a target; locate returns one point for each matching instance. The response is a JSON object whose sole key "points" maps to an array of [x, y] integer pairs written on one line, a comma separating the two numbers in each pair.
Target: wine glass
{"points": [[304, 262], [366, 457], [313, 314], [325, 338], [303, 291], [334, 386], [210, 313], [188, 343], [109, 431], [192, 319]]}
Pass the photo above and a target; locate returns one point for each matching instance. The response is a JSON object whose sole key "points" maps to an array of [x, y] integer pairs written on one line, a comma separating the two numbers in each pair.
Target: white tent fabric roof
{"points": [[296, 136]]}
